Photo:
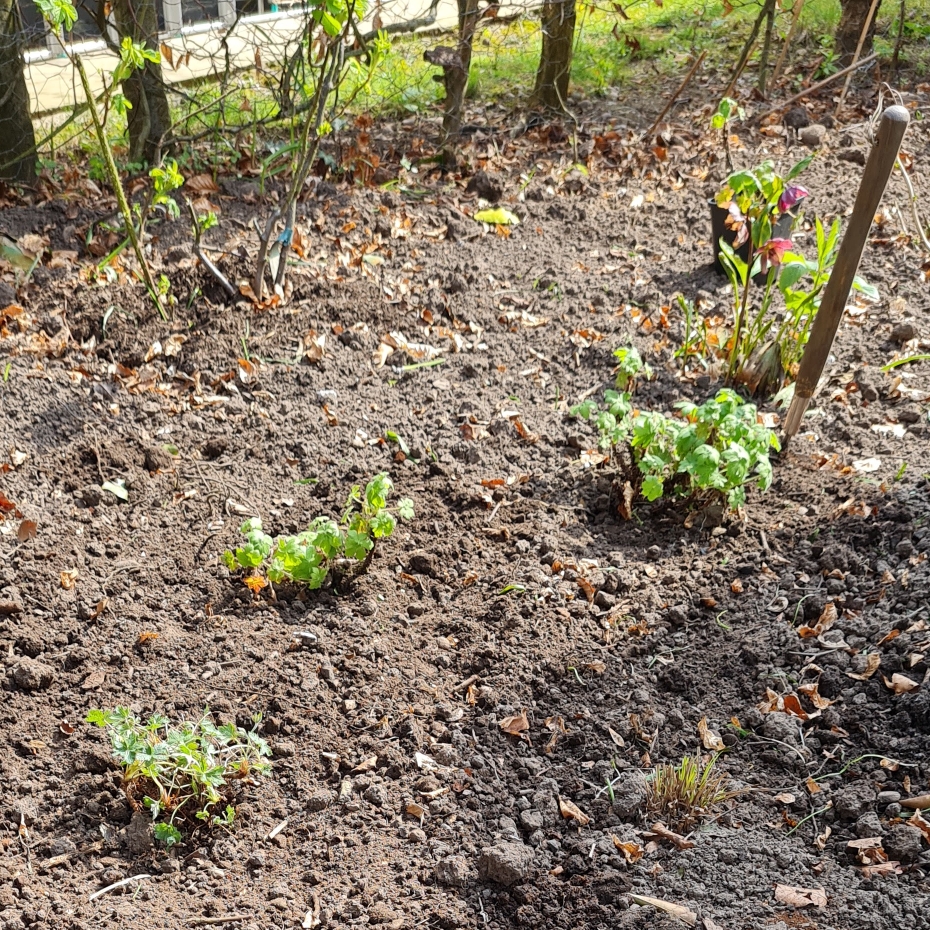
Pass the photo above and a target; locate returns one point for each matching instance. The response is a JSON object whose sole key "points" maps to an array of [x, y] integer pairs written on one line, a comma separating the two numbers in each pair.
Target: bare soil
{"points": [[401, 800]]}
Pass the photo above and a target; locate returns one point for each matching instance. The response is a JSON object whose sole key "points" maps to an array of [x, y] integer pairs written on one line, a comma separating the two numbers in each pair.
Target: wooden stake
{"points": [[677, 94], [865, 31], [874, 179]]}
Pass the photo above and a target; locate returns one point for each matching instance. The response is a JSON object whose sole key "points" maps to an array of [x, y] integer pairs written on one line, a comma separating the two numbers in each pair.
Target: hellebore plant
{"points": [[755, 200]]}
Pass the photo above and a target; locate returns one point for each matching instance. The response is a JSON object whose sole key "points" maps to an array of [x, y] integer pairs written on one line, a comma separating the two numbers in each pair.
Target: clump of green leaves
{"points": [[710, 451], [682, 795], [184, 775], [630, 367], [326, 549]]}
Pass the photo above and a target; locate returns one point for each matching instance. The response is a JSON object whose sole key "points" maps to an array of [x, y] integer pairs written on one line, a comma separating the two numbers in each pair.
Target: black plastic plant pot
{"points": [[720, 230]]}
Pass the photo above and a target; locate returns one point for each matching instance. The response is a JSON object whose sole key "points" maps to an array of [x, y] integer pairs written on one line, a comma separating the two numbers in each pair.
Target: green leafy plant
{"points": [[185, 775], [682, 795], [630, 367], [326, 550], [727, 110], [709, 452]]}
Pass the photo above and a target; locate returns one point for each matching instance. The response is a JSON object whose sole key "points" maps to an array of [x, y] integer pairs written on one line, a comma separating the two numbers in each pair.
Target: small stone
{"points": [[453, 870], [531, 820], [139, 836], [629, 797], [256, 860], [380, 913], [852, 802], [855, 156], [319, 801], [376, 795], [505, 863], [797, 118], [888, 797], [903, 332], [168, 866], [867, 389], [422, 562], [32, 675], [326, 396], [484, 186], [604, 600], [869, 825], [813, 136], [902, 843], [416, 835]]}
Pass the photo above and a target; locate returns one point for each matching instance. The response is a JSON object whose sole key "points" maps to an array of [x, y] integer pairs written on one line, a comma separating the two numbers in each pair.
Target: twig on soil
{"points": [[813, 88], [276, 830], [198, 251], [65, 857], [676, 95], [119, 884], [215, 921]]}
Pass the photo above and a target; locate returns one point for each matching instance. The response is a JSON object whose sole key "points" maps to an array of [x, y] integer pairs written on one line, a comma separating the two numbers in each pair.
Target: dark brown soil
{"points": [[472, 613]]}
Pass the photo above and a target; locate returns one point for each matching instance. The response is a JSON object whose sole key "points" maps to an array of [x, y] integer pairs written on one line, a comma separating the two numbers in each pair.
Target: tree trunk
{"points": [[850, 26], [17, 136], [555, 59], [457, 78], [149, 118]]}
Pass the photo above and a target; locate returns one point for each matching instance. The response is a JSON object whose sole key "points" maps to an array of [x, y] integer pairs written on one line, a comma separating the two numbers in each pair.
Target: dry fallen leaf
{"points": [[255, 583], [146, 637], [827, 618], [587, 588], [27, 530], [709, 738], [678, 911], [921, 824], [414, 809], [515, 725], [786, 797], [900, 684], [631, 852], [68, 578], [811, 692], [800, 897], [571, 812], [872, 662]]}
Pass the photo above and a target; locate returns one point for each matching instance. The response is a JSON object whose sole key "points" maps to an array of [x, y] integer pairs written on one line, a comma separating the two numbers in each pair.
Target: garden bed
{"points": [[403, 792]]}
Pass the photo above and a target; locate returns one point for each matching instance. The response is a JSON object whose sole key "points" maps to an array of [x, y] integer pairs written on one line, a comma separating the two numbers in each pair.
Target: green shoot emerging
{"points": [[184, 775], [326, 549], [681, 796]]}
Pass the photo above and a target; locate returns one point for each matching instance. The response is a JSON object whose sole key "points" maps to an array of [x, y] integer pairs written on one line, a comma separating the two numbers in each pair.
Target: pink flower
{"points": [[790, 196], [772, 253]]}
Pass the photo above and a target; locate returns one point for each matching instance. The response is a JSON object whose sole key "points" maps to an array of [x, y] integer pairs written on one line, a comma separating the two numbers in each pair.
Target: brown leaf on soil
{"points": [[709, 739], [827, 619], [786, 797], [811, 692], [515, 725], [736, 586], [872, 662], [523, 432], [202, 184], [900, 684], [312, 346], [888, 637], [921, 824], [68, 578], [255, 583], [587, 588], [812, 786], [202, 205], [27, 530], [331, 417], [146, 636], [631, 852], [800, 897], [678, 911], [625, 501], [822, 838], [571, 812], [883, 868], [596, 666], [785, 704]]}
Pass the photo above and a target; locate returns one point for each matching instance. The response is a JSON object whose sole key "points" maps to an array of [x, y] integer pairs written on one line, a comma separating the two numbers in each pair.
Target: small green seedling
{"points": [[630, 367], [682, 795], [185, 775], [326, 550]]}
